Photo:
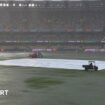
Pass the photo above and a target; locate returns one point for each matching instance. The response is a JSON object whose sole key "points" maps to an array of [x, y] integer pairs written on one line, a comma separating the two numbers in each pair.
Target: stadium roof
{"points": [[50, 0]]}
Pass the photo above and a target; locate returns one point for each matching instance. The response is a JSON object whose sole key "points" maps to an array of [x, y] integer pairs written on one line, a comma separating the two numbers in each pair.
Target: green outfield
{"points": [[75, 55], [59, 55], [41, 86]]}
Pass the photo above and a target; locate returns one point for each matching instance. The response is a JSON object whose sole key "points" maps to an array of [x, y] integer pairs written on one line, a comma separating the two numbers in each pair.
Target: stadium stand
{"points": [[53, 22]]}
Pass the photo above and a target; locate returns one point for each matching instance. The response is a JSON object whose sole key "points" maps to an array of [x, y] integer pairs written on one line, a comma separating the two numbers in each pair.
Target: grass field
{"points": [[41, 86]]}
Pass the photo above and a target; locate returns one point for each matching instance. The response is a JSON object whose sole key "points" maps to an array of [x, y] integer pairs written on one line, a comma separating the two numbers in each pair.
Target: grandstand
{"points": [[71, 24]]}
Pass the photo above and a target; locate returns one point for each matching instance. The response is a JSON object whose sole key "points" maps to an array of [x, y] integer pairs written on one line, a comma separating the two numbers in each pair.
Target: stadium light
{"points": [[33, 5], [20, 5], [7, 5], [1, 4], [4, 5], [14, 4], [29, 5]]}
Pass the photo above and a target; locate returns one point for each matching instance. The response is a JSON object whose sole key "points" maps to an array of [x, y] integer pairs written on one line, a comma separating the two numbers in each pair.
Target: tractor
{"points": [[36, 55]]}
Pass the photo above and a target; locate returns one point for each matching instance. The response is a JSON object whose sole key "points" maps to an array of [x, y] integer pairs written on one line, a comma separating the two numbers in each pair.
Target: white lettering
{"points": [[3, 92]]}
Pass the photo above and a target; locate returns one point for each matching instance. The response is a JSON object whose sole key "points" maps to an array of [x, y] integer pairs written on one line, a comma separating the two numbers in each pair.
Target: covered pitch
{"points": [[51, 63]]}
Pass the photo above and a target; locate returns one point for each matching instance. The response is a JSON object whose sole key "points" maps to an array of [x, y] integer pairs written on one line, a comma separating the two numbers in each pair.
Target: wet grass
{"points": [[70, 87], [75, 55], [100, 73], [42, 82], [69, 73], [55, 72]]}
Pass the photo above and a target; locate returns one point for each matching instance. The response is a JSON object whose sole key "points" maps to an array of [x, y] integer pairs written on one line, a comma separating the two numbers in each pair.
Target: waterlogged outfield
{"points": [[68, 87], [32, 86]]}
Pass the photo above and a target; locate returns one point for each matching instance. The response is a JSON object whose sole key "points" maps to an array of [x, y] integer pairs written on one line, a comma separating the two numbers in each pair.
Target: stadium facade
{"points": [[58, 24]]}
